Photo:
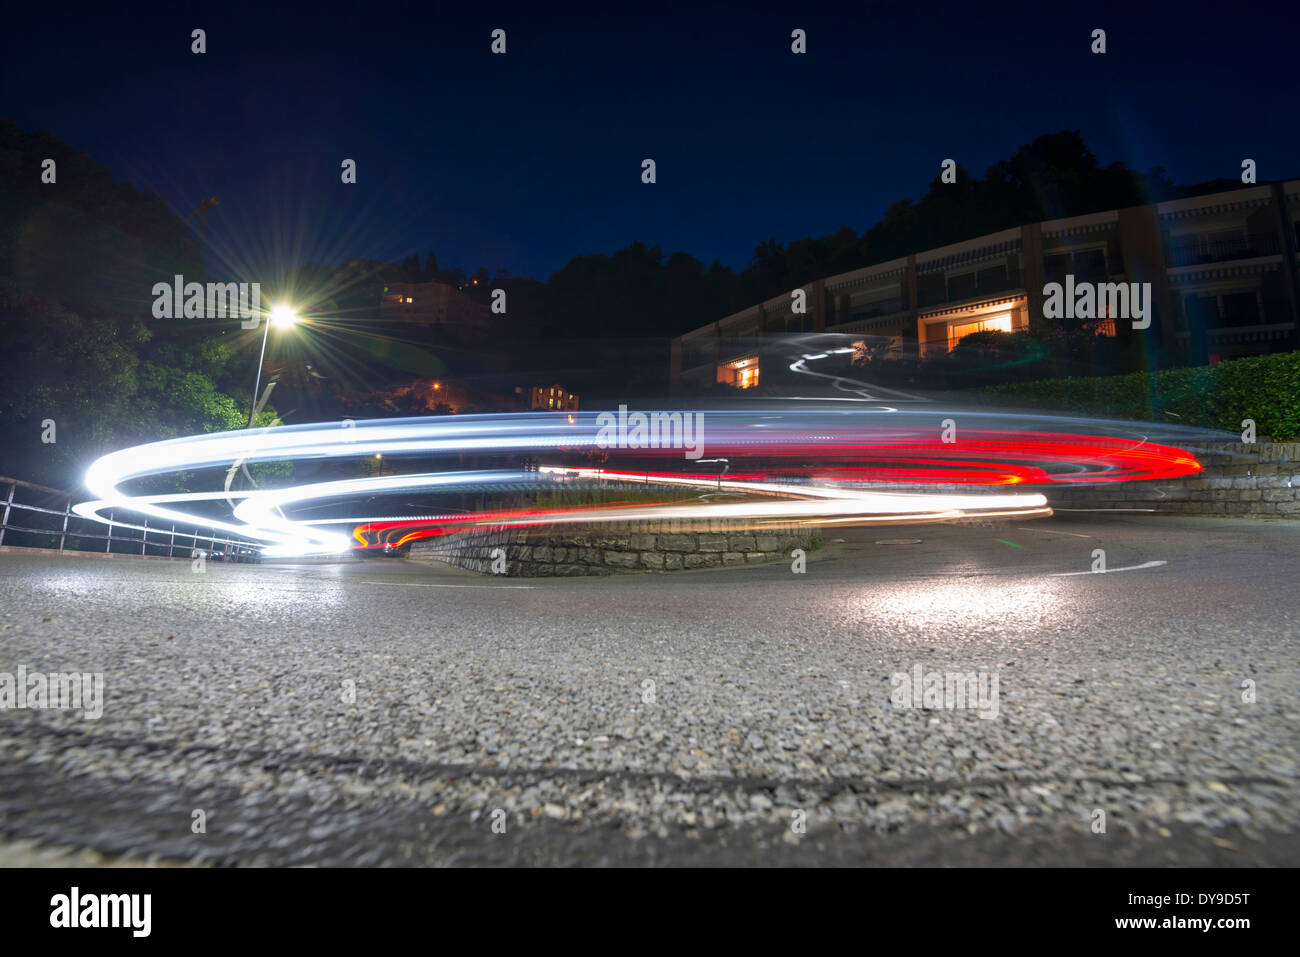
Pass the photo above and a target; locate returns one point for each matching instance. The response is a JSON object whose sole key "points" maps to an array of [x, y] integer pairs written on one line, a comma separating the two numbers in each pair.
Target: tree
{"points": [[82, 348]]}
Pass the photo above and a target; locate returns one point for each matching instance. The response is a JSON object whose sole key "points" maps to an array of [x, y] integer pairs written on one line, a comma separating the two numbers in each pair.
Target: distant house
{"points": [[445, 310], [552, 398]]}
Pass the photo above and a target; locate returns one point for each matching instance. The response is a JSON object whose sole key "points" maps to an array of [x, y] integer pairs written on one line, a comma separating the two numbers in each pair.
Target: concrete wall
{"points": [[1261, 479], [614, 548]]}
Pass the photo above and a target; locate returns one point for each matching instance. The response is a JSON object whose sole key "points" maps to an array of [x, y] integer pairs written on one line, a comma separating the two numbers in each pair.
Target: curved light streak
{"points": [[806, 466]]}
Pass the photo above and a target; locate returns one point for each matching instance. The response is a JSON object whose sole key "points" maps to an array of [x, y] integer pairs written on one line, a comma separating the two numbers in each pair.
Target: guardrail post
{"points": [[63, 535], [9, 501], [144, 538], [171, 544], [108, 545]]}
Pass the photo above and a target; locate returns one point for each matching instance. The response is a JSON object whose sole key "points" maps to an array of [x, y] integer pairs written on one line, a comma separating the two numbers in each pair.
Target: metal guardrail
{"points": [[69, 536]]}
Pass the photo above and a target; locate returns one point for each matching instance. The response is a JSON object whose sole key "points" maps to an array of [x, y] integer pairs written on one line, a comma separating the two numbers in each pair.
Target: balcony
{"points": [[874, 322], [934, 347], [699, 354], [1199, 252]]}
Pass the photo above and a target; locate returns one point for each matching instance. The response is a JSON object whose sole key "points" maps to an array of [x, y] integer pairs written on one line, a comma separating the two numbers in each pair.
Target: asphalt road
{"points": [[684, 718]]}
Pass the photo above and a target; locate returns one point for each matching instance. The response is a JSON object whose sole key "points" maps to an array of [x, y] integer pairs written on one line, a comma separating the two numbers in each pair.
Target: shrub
{"points": [[1263, 388]]}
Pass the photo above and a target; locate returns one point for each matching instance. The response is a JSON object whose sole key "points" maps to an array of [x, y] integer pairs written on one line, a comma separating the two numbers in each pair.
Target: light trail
{"points": [[818, 467]]}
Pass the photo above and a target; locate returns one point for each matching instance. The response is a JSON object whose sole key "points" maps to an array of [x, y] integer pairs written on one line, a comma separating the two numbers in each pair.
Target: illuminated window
{"points": [[960, 331], [739, 373]]}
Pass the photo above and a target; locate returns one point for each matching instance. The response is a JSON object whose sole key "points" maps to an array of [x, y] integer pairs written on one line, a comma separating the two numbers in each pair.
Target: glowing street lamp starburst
{"points": [[283, 317]]}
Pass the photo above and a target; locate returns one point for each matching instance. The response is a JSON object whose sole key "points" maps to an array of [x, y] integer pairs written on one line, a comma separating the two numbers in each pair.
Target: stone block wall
{"points": [[615, 548], [1259, 479]]}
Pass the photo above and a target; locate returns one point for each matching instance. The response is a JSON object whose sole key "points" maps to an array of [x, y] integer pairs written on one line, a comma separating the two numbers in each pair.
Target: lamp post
{"points": [[282, 317]]}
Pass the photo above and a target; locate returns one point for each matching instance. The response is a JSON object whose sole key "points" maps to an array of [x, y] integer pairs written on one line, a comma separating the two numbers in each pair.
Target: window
{"points": [[1090, 265], [930, 288], [1201, 311], [876, 307], [961, 287], [1238, 309], [992, 279], [1056, 266], [959, 331], [741, 373]]}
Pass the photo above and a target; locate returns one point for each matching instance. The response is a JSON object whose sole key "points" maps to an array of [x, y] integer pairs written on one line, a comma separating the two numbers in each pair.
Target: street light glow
{"points": [[283, 317]]}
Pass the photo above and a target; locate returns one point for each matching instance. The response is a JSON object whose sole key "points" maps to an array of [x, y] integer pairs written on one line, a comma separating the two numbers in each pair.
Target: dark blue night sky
{"points": [[525, 160]]}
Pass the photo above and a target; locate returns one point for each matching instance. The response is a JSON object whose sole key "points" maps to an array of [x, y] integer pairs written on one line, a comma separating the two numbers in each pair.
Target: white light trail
{"points": [[267, 516]]}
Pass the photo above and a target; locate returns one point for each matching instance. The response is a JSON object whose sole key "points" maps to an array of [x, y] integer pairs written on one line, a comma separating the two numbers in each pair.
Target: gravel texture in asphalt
{"points": [[384, 712]]}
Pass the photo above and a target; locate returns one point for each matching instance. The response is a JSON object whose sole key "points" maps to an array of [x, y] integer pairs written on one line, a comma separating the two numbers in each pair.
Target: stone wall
{"points": [[1261, 479], [614, 548]]}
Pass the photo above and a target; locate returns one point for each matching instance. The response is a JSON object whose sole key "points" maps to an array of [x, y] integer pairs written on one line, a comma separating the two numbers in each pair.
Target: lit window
{"points": [[960, 331]]}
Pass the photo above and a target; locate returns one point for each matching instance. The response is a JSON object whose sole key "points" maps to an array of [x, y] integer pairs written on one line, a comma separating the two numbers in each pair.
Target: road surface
{"points": [[388, 712]]}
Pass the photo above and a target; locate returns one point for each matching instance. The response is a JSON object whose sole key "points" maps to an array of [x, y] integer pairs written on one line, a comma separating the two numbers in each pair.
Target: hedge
{"points": [[1263, 388]]}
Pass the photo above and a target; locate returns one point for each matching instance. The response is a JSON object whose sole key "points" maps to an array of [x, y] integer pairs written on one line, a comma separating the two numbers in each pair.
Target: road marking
{"points": [[1105, 571], [371, 581], [1050, 531], [1005, 542]]}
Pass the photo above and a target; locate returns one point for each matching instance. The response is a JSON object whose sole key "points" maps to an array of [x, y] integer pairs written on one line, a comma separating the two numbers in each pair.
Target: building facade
{"points": [[1222, 268], [438, 307], [552, 398]]}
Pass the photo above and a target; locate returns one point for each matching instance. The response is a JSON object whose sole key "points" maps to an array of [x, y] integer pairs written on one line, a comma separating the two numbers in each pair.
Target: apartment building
{"points": [[1222, 268]]}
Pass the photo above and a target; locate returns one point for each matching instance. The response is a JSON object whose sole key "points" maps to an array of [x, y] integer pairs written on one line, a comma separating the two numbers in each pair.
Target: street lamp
{"points": [[282, 317]]}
